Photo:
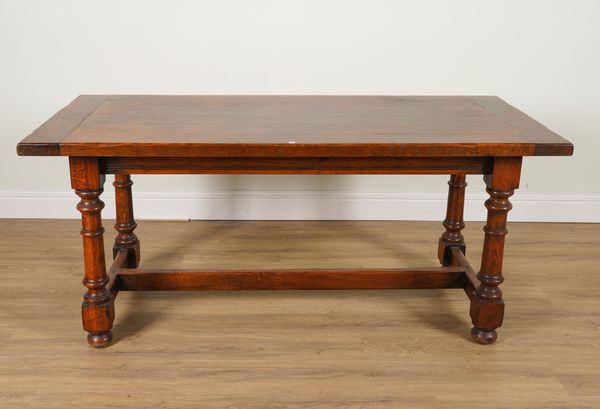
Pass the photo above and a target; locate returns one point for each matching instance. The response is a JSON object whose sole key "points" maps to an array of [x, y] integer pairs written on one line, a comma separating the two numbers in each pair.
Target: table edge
{"points": [[48, 140], [316, 150]]}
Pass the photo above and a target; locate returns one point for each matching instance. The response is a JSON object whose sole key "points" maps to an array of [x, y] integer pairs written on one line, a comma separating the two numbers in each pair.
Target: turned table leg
{"points": [[98, 307], [454, 222], [125, 223], [487, 306]]}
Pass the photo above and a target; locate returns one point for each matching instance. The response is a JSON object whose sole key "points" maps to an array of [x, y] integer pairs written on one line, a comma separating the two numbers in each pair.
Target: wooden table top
{"points": [[291, 126]]}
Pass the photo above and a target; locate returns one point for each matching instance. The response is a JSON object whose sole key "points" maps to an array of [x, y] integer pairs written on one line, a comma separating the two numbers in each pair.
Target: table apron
{"points": [[296, 165]]}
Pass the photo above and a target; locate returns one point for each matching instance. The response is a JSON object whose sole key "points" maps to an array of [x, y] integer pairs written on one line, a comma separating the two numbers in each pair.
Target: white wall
{"points": [[542, 56]]}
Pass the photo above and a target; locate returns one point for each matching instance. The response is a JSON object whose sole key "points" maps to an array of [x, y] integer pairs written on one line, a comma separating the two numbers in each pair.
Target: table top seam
{"points": [[107, 97]]}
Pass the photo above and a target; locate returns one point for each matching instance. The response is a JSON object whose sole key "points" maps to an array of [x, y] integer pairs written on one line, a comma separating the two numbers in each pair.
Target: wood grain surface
{"points": [[301, 349], [292, 126]]}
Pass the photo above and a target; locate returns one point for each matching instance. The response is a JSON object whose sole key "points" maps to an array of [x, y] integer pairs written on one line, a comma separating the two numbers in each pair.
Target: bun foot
{"points": [[484, 336], [100, 340]]}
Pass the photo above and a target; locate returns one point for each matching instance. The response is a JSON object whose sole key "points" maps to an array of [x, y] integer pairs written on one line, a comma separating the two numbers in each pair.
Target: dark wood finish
{"points": [[525, 125], [454, 222], [125, 135], [294, 126], [98, 307], [120, 261], [326, 279], [371, 166], [45, 140], [471, 281], [125, 223], [487, 308]]}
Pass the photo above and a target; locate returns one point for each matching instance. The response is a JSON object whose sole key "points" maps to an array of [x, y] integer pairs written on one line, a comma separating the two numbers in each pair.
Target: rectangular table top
{"points": [[291, 126]]}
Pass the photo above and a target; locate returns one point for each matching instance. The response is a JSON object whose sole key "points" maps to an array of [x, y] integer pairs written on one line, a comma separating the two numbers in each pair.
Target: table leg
{"points": [[487, 306], [454, 222], [98, 306], [125, 223]]}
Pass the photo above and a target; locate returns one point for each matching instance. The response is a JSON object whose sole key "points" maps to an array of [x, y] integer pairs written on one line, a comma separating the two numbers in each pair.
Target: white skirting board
{"points": [[301, 205]]}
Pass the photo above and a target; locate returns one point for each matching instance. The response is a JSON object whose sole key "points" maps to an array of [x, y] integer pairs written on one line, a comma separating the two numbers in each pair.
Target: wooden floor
{"points": [[328, 349]]}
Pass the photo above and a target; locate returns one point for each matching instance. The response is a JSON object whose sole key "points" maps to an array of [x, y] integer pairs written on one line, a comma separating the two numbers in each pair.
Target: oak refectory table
{"points": [[454, 135]]}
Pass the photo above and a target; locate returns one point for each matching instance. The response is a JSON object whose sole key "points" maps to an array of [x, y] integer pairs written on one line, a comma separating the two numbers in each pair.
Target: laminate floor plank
{"points": [[301, 349]]}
